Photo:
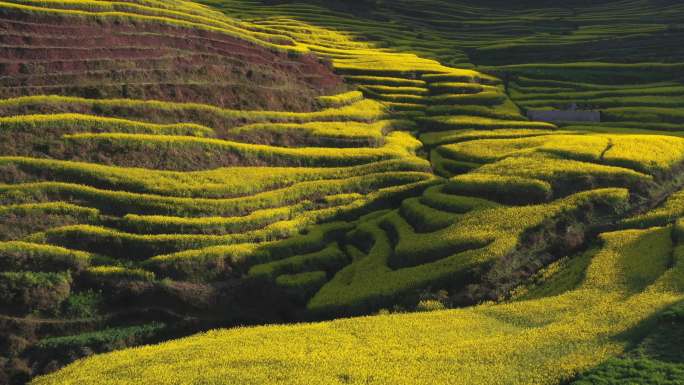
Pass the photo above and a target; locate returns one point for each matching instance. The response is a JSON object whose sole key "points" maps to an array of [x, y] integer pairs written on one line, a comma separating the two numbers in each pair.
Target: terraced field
{"points": [[169, 167]]}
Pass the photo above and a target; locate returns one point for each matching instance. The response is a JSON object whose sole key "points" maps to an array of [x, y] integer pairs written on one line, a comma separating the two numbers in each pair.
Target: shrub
{"points": [[16, 256], [205, 264], [30, 291], [82, 305], [21, 220], [429, 305]]}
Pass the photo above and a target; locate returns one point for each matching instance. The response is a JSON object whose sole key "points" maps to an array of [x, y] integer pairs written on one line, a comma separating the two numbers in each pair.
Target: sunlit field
{"points": [[240, 192]]}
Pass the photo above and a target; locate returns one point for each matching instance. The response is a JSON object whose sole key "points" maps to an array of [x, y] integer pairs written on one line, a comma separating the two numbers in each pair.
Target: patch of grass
{"points": [[103, 340]]}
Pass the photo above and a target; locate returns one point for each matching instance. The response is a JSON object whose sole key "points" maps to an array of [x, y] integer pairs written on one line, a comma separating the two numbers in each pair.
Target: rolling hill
{"points": [[170, 167]]}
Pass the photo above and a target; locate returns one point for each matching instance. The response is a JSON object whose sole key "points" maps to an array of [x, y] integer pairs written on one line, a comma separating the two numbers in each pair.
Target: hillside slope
{"points": [[145, 167], [183, 169], [538, 341]]}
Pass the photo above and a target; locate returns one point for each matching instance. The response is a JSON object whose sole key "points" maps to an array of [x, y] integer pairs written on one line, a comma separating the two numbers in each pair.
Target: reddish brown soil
{"points": [[50, 55]]}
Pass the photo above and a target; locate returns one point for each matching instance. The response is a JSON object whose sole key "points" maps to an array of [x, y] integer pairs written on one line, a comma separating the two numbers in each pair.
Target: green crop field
{"points": [[321, 192]]}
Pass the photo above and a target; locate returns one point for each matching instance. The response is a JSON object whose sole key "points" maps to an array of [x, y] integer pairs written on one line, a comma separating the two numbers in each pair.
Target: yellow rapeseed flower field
{"points": [[539, 341]]}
